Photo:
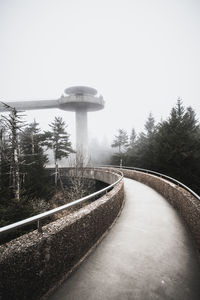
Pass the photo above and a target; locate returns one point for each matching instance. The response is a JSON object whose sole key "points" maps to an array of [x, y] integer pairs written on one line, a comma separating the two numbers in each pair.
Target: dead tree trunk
{"points": [[1, 155], [15, 154]]}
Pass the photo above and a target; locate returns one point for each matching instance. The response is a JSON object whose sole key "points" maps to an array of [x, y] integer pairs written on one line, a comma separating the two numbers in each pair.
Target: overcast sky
{"points": [[140, 55]]}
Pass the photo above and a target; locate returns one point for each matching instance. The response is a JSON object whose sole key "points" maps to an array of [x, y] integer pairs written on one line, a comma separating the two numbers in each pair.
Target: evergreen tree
{"points": [[143, 153], [178, 146], [172, 147], [58, 140], [132, 138], [150, 125], [35, 180], [121, 142]]}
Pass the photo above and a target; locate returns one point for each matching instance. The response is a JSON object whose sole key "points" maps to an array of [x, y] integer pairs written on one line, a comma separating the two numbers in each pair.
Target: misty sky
{"points": [[140, 55]]}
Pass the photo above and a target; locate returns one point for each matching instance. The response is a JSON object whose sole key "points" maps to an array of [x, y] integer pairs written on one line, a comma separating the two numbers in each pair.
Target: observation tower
{"points": [[79, 99]]}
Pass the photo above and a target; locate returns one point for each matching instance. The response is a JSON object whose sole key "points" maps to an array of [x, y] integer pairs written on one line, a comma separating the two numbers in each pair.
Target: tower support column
{"points": [[81, 136]]}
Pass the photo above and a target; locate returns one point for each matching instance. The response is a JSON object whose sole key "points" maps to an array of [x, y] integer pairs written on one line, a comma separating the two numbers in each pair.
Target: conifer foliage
{"points": [[171, 147], [25, 184], [34, 175], [178, 146], [13, 124], [57, 139], [120, 142]]}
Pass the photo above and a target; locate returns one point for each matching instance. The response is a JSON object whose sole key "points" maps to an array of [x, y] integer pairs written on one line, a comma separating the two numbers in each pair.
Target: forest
{"points": [[26, 185], [171, 147]]}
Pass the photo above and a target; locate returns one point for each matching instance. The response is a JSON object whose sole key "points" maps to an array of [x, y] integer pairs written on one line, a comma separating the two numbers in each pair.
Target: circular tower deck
{"points": [[81, 98]]}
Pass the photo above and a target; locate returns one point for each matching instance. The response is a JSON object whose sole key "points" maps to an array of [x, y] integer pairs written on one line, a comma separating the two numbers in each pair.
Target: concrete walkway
{"points": [[148, 254]]}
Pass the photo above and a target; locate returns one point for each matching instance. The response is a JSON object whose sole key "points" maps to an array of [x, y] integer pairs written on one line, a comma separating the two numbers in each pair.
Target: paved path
{"points": [[148, 254]]}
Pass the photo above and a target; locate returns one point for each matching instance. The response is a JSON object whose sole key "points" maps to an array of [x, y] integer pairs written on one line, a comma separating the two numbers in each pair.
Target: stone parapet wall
{"points": [[35, 262], [101, 174], [185, 203]]}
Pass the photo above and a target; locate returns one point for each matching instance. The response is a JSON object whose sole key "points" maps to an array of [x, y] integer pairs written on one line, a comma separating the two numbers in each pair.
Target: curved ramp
{"points": [[148, 254]]}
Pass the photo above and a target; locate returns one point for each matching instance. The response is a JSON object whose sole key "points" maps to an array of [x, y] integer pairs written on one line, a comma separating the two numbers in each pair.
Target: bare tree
{"points": [[2, 131]]}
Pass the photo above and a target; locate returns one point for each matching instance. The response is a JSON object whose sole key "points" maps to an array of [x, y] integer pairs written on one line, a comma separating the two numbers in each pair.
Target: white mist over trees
{"points": [[26, 186], [171, 147]]}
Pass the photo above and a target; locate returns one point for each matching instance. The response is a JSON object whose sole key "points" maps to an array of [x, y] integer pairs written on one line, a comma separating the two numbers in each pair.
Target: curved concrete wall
{"points": [[34, 263], [104, 175], [186, 204]]}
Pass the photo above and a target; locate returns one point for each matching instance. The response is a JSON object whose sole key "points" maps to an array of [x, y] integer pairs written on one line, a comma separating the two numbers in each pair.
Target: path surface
{"points": [[148, 254]]}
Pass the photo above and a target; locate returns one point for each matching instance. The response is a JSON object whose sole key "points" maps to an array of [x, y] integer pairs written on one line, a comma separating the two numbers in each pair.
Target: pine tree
{"points": [[143, 153], [178, 146], [121, 142], [58, 140], [35, 183], [150, 125], [133, 137]]}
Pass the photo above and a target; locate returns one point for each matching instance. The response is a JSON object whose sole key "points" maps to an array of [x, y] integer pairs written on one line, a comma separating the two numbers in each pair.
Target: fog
{"points": [[140, 55]]}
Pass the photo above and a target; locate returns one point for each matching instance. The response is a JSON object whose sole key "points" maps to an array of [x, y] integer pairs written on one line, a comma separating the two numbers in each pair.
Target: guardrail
{"points": [[159, 175], [51, 212]]}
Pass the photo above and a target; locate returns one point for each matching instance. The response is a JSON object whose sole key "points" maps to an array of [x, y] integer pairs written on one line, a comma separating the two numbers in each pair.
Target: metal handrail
{"points": [[51, 212], [159, 175]]}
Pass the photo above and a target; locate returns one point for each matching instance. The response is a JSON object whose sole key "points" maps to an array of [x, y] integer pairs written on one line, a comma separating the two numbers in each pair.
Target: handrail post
{"points": [[39, 226], [120, 163]]}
